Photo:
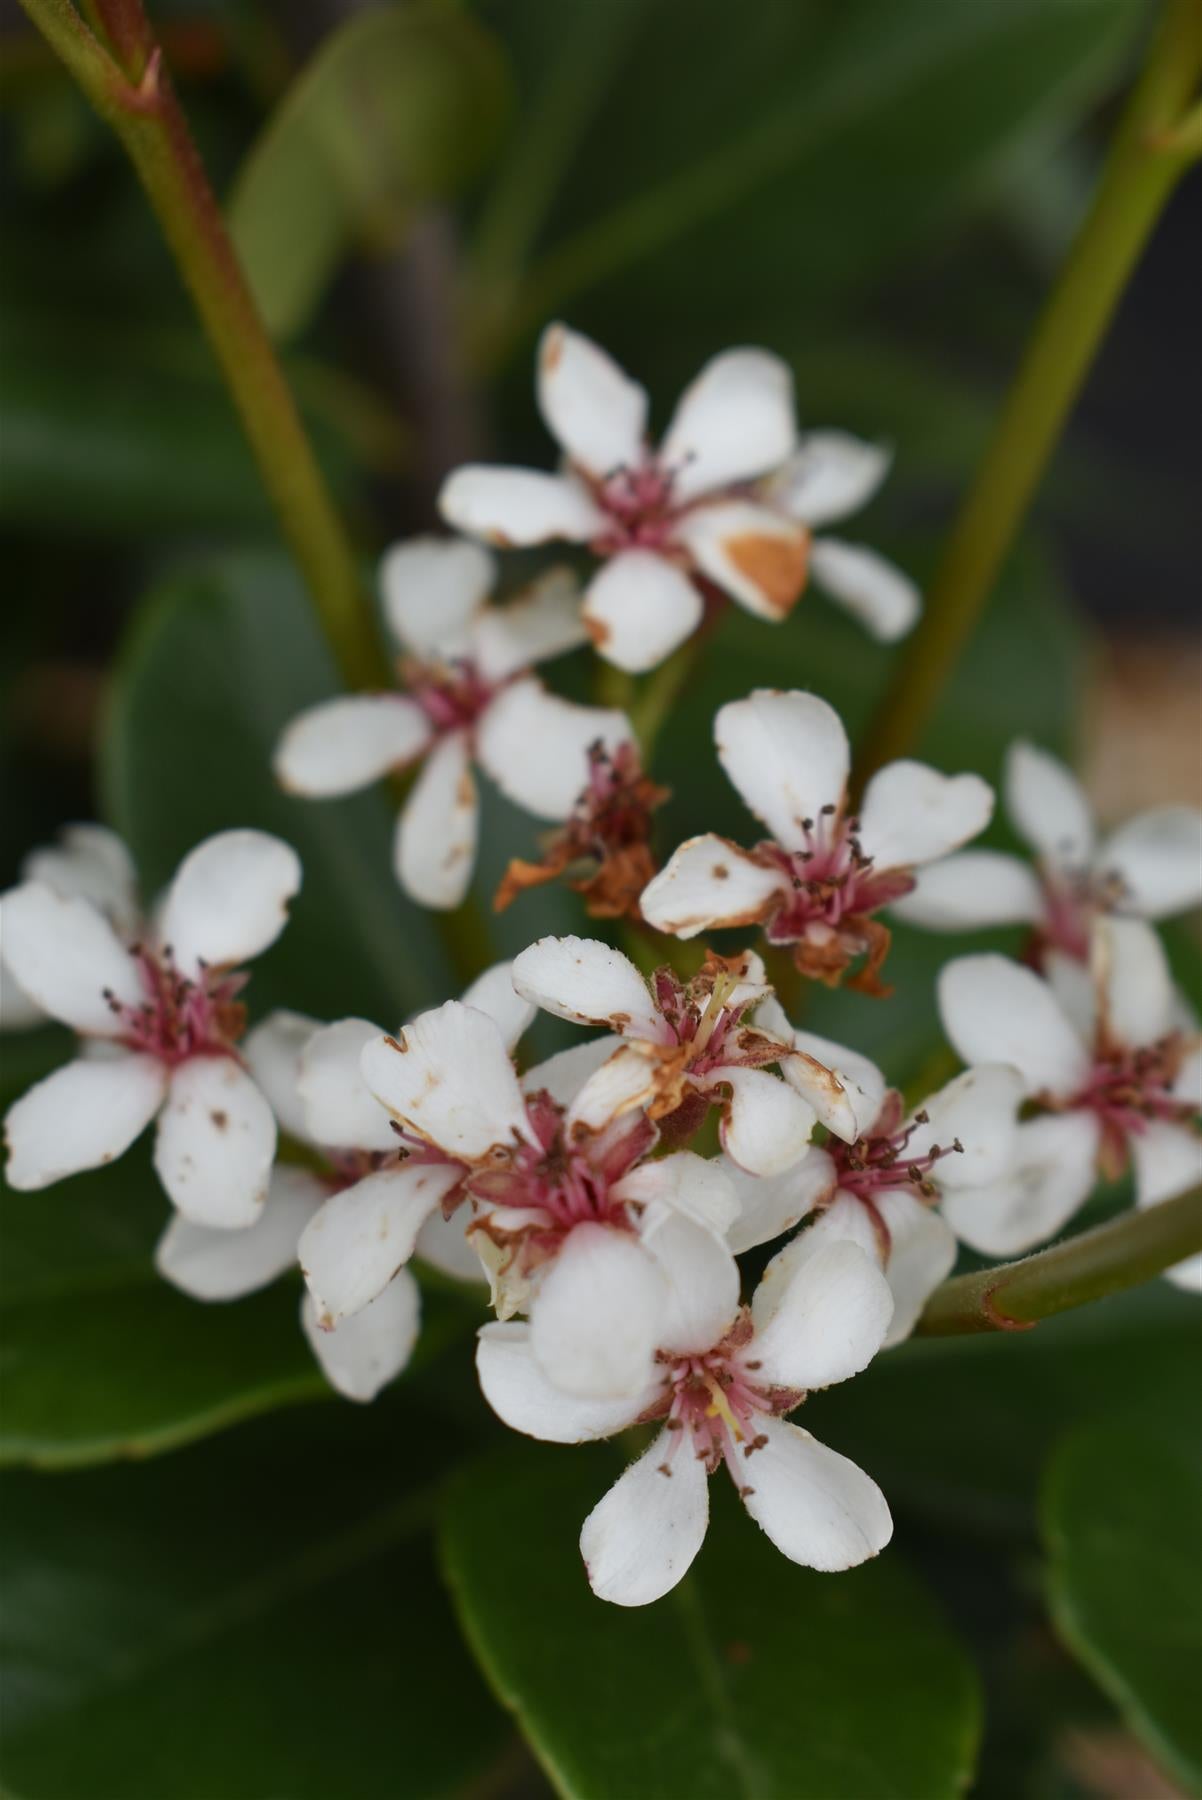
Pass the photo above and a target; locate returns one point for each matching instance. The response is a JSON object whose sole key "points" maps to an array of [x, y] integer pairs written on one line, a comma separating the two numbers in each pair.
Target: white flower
{"points": [[88, 861], [1113, 1070], [816, 883], [728, 497], [1151, 867], [882, 1189], [161, 1020], [600, 1247], [721, 1386], [469, 695], [686, 1047]]}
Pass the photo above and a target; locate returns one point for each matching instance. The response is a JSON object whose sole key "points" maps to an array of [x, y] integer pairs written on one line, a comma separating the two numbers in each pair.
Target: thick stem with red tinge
{"points": [[123, 76], [1014, 1296]]}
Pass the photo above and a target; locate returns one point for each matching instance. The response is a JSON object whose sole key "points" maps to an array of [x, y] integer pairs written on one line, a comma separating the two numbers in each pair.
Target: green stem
{"points": [[1145, 162], [1122, 1254], [129, 87]]}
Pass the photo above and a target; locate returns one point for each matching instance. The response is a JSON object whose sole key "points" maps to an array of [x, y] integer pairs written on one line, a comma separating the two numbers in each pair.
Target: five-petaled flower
{"points": [[1112, 1067], [818, 881], [685, 1046], [468, 694], [599, 1246], [161, 1019], [1150, 867], [728, 497], [883, 1189], [721, 1385]]}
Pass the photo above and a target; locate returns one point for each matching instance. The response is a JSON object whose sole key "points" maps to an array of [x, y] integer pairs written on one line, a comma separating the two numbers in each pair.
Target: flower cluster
{"points": [[582, 1194]]}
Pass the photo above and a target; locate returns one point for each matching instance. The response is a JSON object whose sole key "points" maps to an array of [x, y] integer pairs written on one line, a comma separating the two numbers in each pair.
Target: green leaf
{"points": [[1122, 1520], [256, 1619], [222, 657], [399, 107], [754, 1678]]}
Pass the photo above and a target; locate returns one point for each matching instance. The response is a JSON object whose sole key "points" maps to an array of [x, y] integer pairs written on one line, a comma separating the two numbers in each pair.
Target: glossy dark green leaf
{"points": [[222, 657], [398, 107], [754, 1678], [256, 1619], [1122, 1521]]}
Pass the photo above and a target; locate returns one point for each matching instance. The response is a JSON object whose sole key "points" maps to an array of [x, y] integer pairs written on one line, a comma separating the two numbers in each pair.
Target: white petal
{"points": [[508, 507], [565, 1074], [272, 1052], [1048, 807], [788, 756], [215, 1143], [432, 589], [641, 1539], [772, 1205], [708, 882], [64, 954], [701, 1277], [825, 1321], [1187, 1085], [346, 743], [922, 1253], [596, 1314], [1072, 983], [225, 1265], [520, 1394], [734, 422], [445, 1245], [493, 993], [1167, 1159], [1133, 979], [638, 608], [818, 1508], [1051, 1177], [448, 1077], [980, 1108], [767, 1124], [971, 890], [17, 1011], [698, 1187], [628, 1079], [543, 622], [829, 475], [435, 847], [874, 590], [758, 557], [89, 862], [535, 746], [912, 814], [363, 1235], [370, 1350], [590, 983], [592, 407], [81, 1117], [1158, 858], [340, 1109], [852, 1109], [229, 899], [995, 1011]]}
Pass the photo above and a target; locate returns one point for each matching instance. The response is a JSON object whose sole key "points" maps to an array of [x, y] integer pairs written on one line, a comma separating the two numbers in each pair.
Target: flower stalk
{"points": [[1113, 1257], [120, 68], [1156, 142]]}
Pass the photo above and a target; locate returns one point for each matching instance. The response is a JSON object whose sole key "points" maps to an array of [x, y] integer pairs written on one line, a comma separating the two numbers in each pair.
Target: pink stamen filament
{"points": [[181, 1016]]}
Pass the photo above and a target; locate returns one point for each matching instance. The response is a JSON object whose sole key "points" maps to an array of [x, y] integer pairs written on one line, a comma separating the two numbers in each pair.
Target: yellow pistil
{"points": [[721, 1409]]}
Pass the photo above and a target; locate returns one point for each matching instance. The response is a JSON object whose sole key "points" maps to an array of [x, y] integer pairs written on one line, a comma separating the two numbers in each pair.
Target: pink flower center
{"points": [[452, 695], [830, 880], [1072, 899], [715, 1400], [878, 1162], [182, 1016], [639, 506], [698, 1017], [1127, 1088]]}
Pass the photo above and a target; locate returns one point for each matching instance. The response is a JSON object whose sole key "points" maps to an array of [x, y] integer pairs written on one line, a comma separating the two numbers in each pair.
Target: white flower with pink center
{"points": [[729, 497], [89, 862], [599, 1246], [1112, 1070], [161, 1020], [817, 883], [687, 1046], [721, 1386], [883, 1189], [468, 696], [1150, 868]]}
